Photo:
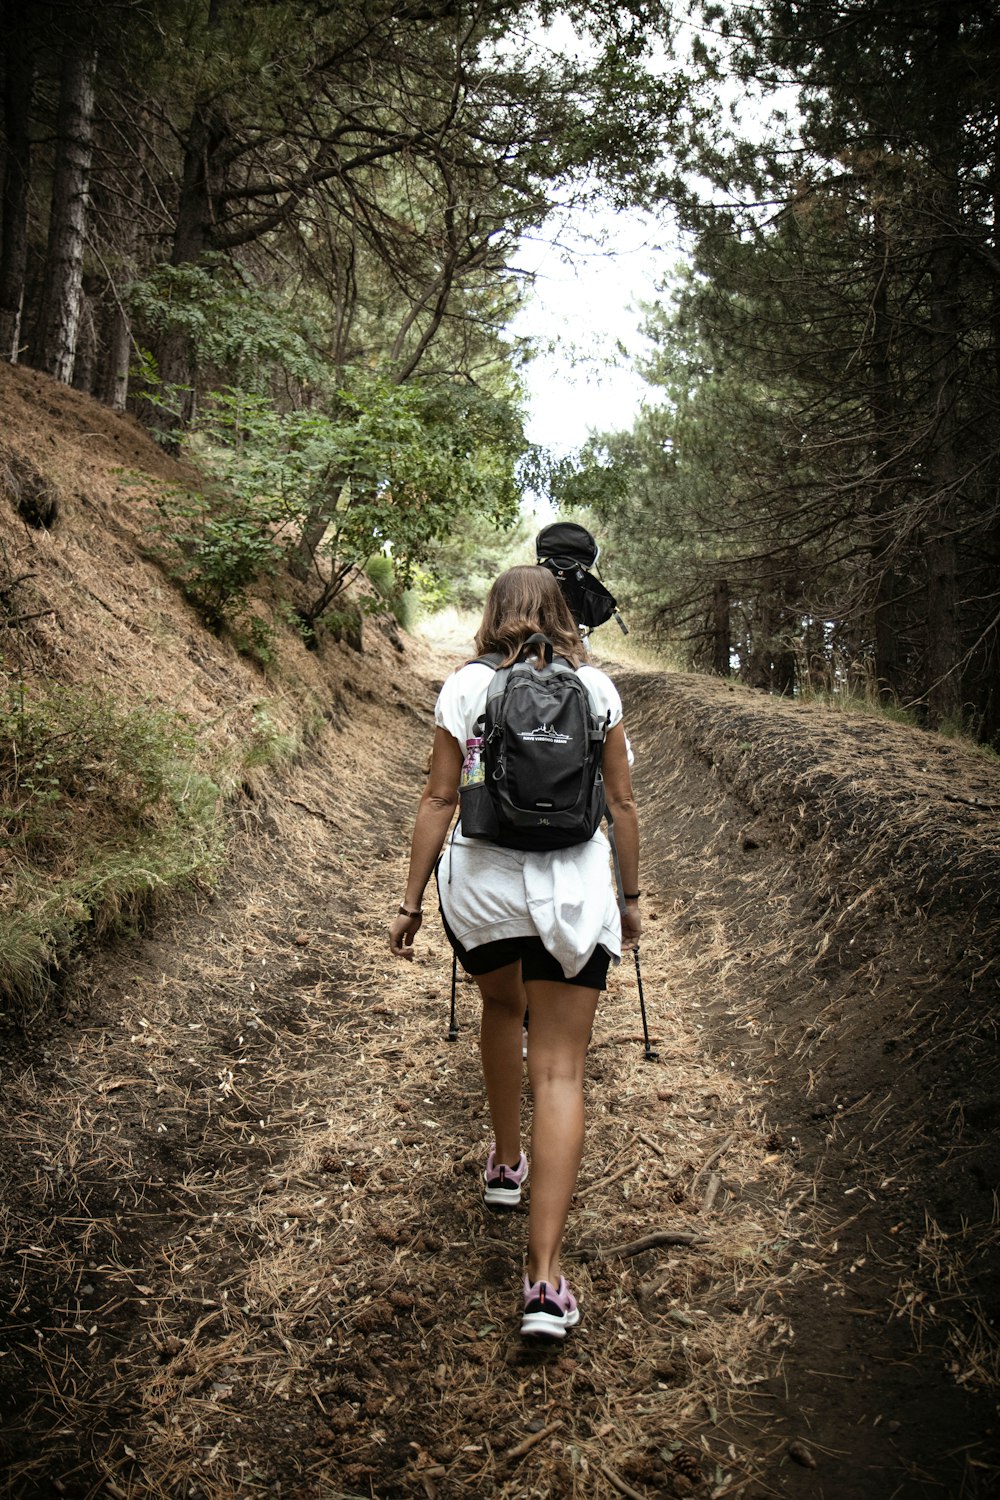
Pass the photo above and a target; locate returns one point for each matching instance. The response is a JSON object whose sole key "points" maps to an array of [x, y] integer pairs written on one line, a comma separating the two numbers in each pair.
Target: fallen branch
{"points": [[20, 619], [603, 1182], [969, 802], [711, 1189], [619, 1484], [313, 811], [636, 1247], [653, 1145], [709, 1162], [526, 1445]]}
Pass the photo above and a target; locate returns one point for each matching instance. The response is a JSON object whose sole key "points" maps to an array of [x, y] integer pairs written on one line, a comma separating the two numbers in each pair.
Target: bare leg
{"points": [[561, 1018], [500, 1048]]}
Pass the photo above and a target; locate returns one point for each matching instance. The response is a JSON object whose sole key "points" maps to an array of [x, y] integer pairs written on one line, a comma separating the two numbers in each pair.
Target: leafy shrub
{"points": [[216, 548], [406, 609], [328, 487], [268, 746], [228, 324]]}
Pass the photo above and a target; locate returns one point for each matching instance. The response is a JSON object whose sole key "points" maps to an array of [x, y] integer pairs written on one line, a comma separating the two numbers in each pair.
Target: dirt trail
{"points": [[243, 1251]]}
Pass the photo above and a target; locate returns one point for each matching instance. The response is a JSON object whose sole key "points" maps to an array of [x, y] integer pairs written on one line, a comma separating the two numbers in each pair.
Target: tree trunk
{"points": [[302, 562], [721, 637], [121, 206], [200, 187], [944, 641], [118, 347], [85, 364], [761, 641], [17, 99], [60, 316], [819, 664], [784, 673], [785, 663], [886, 613]]}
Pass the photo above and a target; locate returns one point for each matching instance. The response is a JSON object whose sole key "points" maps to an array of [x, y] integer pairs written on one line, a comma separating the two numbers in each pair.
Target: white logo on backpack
{"points": [[546, 732]]}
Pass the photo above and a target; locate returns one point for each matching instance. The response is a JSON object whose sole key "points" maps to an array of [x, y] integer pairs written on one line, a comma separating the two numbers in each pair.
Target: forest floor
{"points": [[243, 1248]]}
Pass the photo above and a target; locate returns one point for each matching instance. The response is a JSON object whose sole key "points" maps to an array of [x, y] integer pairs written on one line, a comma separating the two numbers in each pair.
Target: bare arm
{"points": [[434, 814], [621, 805]]}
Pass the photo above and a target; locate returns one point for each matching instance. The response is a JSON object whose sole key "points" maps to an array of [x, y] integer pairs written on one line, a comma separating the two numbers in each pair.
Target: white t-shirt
{"points": [[564, 896], [462, 700]]}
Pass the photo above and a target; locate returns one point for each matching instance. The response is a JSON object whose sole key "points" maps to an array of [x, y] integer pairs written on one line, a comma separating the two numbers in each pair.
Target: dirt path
{"points": [[243, 1251]]}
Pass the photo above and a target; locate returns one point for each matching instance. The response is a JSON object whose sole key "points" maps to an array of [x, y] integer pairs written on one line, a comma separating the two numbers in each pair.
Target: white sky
{"points": [[591, 272], [583, 315]]}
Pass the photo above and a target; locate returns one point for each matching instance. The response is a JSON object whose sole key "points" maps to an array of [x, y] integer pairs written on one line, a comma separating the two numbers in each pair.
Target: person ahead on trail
{"points": [[532, 926]]}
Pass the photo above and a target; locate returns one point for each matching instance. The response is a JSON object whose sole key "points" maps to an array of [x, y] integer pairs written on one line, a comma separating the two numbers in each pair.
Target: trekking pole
{"points": [[453, 1024], [650, 1055]]}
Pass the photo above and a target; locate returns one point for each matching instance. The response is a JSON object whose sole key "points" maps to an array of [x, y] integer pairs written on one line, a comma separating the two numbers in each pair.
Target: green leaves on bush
{"points": [[216, 547], [379, 465]]}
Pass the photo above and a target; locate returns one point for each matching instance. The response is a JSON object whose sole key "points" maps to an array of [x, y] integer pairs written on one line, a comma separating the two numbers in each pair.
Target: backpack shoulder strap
{"points": [[492, 659]]}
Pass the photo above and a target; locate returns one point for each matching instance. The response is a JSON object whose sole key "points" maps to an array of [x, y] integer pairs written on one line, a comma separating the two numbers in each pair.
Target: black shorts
{"points": [[536, 961]]}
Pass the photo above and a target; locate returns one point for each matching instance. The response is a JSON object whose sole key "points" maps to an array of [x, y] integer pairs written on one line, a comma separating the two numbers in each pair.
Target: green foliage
{"points": [[100, 808], [832, 450], [382, 574], [216, 547], [268, 746], [404, 603], [379, 465], [406, 609], [430, 591], [229, 324], [462, 566], [593, 480]]}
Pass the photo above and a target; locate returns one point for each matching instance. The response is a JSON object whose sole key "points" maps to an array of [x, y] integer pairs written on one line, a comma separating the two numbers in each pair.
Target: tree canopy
{"points": [[815, 500], [284, 231], [295, 209]]}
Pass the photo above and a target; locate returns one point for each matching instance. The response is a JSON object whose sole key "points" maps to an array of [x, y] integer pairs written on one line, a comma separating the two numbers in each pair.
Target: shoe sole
{"points": [[501, 1198], [548, 1325]]}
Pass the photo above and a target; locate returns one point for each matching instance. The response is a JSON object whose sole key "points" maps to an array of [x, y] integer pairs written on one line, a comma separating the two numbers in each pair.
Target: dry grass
{"points": [[256, 1212], [248, 1194], [835, 886], [242, 1250]]}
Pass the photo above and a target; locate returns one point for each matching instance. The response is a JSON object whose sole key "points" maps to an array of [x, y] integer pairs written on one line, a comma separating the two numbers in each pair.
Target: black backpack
{"points": [[569, 552], [542, 746]]}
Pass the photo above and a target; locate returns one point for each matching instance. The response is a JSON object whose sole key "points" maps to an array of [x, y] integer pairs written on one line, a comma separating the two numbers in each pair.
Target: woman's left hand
{"points": [[631, 926], [402, 931]]}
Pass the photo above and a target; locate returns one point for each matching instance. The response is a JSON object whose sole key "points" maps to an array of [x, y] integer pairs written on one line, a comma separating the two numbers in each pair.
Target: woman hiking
{"points": [[536, 929]]}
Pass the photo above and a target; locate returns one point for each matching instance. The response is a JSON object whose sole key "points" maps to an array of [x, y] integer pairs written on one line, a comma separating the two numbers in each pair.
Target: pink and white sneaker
{"points": [[503, 1184], [548, 1311]]}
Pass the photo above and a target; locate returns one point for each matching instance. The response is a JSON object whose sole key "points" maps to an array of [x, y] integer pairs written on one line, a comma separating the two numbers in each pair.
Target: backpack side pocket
{"points": [[478, 815]]}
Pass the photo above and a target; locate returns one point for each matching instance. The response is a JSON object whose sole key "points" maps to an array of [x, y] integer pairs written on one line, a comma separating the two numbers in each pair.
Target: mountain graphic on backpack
{"points": [[542, 749]]}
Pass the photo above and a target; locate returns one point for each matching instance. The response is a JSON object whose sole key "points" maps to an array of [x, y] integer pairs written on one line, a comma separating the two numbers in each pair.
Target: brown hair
{"points": [[521, 601]]}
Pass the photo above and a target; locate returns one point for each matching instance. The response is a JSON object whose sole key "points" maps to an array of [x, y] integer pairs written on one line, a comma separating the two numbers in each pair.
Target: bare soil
{"points": [[242, 1251]]}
